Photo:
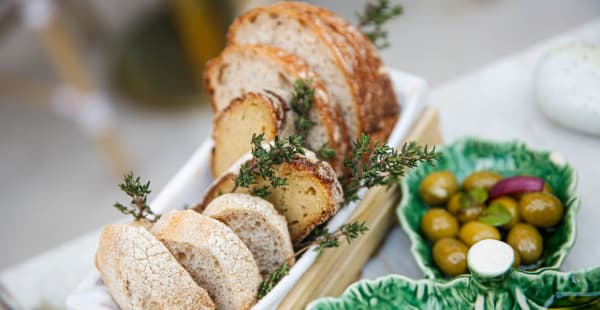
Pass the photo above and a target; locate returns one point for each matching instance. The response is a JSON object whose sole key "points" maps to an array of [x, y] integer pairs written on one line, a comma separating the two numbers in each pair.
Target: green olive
{"points": [[450, 255], [475, 231], [464, 215], [481, 179], [454, 204], [526, 239], [437, 188], [541, 209], [517, 261], [547, 189], [438, 223], [511, 206], [469, 214]]}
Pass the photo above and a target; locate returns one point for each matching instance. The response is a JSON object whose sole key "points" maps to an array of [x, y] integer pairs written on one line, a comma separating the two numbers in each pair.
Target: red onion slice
{"points": [[516, 185]]}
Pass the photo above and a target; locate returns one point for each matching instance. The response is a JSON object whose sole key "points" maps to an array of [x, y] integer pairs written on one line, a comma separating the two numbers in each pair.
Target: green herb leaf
{"points": [[267, 285], [138, 206], [350, 231], [372, 164], [371, 22], [264, 158], [495, 215], [302, 102], [479, 195], [325, 152], [473, 198], [465, 200]]}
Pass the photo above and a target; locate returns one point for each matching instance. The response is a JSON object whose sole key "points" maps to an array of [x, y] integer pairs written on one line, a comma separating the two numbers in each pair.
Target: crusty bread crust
{"points": [[374, 98], [265, 231], [141, 273], [226, 258], [317, 171], [327, 114]]}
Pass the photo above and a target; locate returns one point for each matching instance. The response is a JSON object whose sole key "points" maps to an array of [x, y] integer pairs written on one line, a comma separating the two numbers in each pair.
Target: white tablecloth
{"points": [[494, 102]]}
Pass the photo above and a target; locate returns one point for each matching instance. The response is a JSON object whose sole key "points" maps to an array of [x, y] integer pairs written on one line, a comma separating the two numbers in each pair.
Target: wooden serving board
{"points": [[337, 268]]}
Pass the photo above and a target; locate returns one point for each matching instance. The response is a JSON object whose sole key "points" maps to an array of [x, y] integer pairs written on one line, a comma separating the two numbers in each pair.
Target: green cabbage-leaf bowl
{"points": [[507, 158], [542, 289]]}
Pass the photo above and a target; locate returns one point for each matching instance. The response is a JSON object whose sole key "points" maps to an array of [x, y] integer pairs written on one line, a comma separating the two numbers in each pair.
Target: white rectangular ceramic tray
{"points": [[188, 185]]}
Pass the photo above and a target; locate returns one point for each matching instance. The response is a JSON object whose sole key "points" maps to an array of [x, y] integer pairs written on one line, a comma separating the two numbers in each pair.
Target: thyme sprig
{"points": [[269, 283], [138, 206], [325, 152], [375, 15], [261, 166], [322, 239], [302, 102], [377, 164]]}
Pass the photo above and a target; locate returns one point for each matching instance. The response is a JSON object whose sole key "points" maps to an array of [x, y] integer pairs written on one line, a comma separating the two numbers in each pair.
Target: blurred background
{"points": [[139, 65]]}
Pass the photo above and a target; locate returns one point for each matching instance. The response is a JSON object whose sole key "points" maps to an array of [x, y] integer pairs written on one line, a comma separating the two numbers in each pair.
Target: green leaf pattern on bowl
{"points": [[512, 158], [546, 288]]}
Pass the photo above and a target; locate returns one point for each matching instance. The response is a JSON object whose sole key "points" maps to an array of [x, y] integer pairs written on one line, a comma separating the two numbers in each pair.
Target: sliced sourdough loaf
{"points": [[259, 225], [250, 68], [336, 51], [140, 272], [213, 255], [255, 112], [312, 195]]}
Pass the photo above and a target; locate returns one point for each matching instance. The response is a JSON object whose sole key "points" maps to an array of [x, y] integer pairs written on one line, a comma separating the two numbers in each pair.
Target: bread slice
{"points": [[141, 273], [255, 112], [213, 255], [259, 225], [345, 60], [250, 68], [312, 195]]}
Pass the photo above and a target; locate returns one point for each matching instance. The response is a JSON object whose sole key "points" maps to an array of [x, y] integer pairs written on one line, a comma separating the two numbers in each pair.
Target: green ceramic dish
{"points": [[517, 290], [510, 158]]}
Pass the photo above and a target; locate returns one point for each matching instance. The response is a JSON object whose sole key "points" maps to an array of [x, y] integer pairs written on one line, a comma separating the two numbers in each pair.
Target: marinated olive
{"points": [[481, 179], [541, 209], [437, 188], [546, 189], [517, 261], [475, 231], [511, 206], [464, 215], [526, 239], [454, 204], [469, 214], [438, 223], [450, 255]]}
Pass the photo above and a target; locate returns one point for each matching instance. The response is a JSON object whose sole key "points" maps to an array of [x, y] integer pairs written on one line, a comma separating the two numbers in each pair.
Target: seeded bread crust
{"points": [[140, 272], [213, 255], [381, 115], [330, 127], [227, 133], [259, 226], [374, 105], [319, 173]]}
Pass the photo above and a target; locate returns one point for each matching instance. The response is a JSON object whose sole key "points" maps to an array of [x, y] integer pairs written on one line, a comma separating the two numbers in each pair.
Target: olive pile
{"points": [[460, 217]]}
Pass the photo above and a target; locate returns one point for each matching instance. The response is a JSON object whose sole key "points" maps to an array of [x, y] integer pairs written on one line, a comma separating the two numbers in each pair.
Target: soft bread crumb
{"points": [[259, 225], [215, 257]]}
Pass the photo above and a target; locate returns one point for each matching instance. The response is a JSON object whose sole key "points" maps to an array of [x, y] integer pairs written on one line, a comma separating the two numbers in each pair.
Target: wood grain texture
{"points": [[337, 268]]}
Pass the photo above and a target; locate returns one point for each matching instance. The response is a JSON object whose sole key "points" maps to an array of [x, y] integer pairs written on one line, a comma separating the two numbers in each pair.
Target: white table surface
{"points": [[495, 102]]}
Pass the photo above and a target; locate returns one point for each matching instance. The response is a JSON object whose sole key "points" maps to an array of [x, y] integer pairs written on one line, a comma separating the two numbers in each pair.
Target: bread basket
{"points": [[188, 184]]}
